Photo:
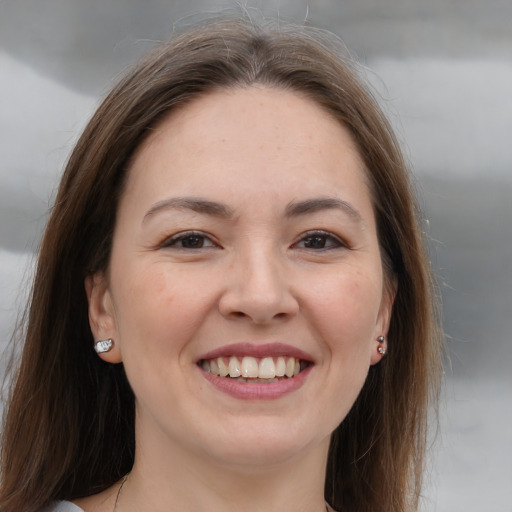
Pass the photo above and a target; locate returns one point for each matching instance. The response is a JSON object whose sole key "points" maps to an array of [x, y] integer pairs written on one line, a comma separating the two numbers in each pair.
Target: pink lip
{"points": [[256, 391], [257, 350], [253, 390]]}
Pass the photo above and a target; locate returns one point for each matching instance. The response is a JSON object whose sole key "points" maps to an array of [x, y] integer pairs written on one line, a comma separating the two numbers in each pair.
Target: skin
{"points": [[260, 277]]}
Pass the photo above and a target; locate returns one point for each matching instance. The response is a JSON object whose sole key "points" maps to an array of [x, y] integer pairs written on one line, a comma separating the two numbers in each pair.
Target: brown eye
{"points": [[315, 242], [319, 241], [188, 240], [192, 242]]}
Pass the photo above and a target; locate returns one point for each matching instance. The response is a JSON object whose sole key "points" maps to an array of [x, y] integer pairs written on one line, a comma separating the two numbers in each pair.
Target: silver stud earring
{"points": [[103, 346], [381, 349]]}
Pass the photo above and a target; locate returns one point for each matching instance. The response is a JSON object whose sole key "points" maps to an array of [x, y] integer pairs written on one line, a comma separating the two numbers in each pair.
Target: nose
{"points": [[258, 288]]}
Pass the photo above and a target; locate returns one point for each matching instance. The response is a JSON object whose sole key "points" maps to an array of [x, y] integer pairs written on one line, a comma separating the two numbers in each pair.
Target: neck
{"points": [[189, 481]]}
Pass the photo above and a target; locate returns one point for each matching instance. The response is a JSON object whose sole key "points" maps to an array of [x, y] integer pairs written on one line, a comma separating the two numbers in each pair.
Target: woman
{"points": [[236, 236]]}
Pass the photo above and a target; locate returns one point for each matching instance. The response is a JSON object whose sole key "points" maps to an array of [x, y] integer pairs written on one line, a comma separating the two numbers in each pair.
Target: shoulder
{"points": [[62, 506]]}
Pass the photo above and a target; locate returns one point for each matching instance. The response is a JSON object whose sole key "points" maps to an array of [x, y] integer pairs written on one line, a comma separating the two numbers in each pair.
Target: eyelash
{"points": [[180, 237], [327, 237], [200, 238]]}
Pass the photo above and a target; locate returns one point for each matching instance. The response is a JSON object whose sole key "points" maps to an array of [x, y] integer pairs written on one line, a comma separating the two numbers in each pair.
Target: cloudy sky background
{"points": [[443, 69]]}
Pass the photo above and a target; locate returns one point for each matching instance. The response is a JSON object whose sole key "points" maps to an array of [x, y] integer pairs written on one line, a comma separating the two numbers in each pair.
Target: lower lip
{"points": [[256, 390]]}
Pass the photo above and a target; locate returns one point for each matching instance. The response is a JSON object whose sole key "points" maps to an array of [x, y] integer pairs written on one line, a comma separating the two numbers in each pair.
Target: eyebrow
{"points": [[295, 209], [191, 203]]}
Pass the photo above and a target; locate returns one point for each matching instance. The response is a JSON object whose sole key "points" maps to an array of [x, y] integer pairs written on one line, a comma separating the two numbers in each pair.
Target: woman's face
{"points": [[245, 244]]}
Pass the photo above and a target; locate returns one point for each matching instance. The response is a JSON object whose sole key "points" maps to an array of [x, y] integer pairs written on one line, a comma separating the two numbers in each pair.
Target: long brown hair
{"points": [[69, 430]]}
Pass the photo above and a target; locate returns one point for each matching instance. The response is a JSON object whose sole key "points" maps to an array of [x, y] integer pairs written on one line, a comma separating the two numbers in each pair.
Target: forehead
{"points": [[248, 136], [252, 108]]}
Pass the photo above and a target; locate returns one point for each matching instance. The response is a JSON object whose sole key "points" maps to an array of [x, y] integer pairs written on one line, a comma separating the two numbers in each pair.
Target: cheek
{"points": [[345, 310], [158, 314], [158, 307]]}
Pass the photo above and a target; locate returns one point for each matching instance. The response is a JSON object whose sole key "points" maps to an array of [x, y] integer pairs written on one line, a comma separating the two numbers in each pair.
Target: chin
{"points": [[267, 442]]}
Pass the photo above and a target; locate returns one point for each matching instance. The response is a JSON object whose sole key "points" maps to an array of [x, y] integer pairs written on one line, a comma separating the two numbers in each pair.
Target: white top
{"points": [[62, 506]]}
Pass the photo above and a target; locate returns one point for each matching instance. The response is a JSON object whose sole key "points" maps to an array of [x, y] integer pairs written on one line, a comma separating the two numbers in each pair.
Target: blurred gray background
{"points": [[444, 71]]}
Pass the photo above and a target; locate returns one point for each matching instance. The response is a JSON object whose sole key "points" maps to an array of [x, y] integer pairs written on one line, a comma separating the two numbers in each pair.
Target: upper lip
{"points": [[257, 350]]}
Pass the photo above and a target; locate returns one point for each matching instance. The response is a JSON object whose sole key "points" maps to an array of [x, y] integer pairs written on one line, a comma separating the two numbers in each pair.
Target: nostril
{"points": [[243, 303], [241, 314]]}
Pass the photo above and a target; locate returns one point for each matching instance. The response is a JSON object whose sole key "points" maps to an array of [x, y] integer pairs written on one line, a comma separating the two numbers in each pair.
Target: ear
{"points": [[102, 317], [382, 323]]}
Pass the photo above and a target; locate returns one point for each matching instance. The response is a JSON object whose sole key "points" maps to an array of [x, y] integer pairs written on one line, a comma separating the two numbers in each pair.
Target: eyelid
{"points": [[172, 241], [320, 232]]}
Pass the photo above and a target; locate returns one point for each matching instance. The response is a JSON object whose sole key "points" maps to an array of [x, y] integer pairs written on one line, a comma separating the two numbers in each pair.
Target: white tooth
{"points": [[249, 367], [267, 368], [290, 367], [214, 367], [234, 367], [205, 365], [223, 368], [296, 370], [280, 367]]}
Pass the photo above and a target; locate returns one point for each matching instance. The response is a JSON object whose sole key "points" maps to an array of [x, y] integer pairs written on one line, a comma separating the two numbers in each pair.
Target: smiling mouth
{"points": [[253, 369]]}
